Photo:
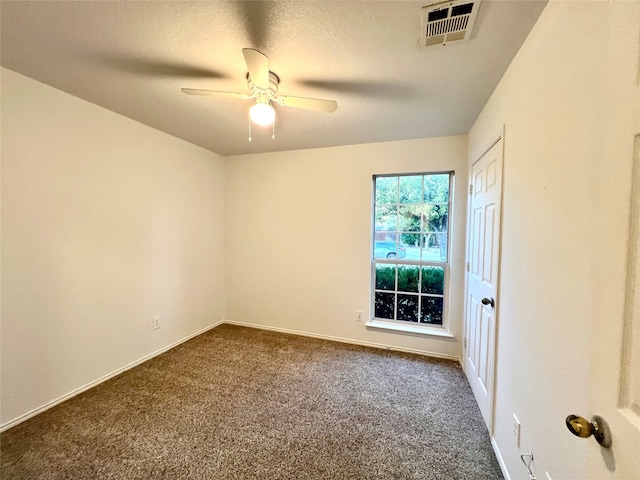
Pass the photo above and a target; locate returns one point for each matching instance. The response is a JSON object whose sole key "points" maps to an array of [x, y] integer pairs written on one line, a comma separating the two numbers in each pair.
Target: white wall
{"points": [[298, 227], [570, 104], [105, 224]]}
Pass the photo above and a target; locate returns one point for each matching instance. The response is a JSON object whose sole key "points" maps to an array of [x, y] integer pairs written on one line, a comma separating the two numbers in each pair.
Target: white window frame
{"points": [[404, 325]]}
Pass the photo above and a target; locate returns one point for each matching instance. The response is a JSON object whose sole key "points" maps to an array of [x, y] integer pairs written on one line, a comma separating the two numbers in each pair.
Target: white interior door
{"points": [[615, 353], [482, 277], [615, 390]]}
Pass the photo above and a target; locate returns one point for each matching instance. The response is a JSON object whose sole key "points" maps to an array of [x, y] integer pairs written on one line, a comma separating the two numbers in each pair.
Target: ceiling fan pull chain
{"points": [[273, 130], [249, 129]]}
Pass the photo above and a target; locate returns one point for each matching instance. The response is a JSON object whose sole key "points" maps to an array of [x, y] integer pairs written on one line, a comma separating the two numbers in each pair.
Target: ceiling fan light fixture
{"points": [[262, 113], [263, 85]]}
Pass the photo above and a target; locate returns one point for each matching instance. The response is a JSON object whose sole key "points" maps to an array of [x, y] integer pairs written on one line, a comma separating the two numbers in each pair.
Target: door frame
{"points": [[497, 137]]}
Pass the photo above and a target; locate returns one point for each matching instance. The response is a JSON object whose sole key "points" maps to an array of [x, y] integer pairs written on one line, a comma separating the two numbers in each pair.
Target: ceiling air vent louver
{"points": [[447, 22]]}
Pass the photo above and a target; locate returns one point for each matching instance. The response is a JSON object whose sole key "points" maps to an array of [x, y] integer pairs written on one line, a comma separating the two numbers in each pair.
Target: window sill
{"points": [[426, 331]]}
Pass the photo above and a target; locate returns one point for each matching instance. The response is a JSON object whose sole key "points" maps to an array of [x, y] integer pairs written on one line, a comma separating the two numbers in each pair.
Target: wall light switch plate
{"points": [[156, 323]]}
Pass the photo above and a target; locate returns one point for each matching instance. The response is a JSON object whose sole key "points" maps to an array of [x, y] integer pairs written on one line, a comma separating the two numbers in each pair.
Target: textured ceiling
{"points": [[133, 57]]}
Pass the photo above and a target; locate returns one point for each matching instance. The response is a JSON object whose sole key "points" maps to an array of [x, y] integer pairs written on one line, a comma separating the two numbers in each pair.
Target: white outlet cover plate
{"points": [[516, 430]]}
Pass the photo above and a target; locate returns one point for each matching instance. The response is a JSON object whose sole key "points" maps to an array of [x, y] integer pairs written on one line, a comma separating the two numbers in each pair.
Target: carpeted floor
{"points": [[240, 403]]}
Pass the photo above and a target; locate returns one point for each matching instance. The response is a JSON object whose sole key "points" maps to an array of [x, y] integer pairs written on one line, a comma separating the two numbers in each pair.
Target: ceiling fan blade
{"points": [[393, 91], [156, 68], [318, 104], [258, 66], [256, 17], [214, 93]]}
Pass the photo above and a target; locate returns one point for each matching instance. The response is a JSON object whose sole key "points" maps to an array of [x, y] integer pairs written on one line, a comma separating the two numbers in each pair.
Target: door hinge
{"points": [[468, 266], [464, 342], [470, 188]]}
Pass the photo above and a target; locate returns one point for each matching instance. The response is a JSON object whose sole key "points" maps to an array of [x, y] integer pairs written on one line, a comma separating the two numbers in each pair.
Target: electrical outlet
{"points": [[156, 322], [516, 430], [359, 316]]}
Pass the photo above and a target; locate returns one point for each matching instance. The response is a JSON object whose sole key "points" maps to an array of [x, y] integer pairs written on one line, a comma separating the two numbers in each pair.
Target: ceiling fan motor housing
{"points": [[261, 94]]}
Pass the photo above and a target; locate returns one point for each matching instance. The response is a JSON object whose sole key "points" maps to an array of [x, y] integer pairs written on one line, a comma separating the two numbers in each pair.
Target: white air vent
{"points": [[447, 22]]}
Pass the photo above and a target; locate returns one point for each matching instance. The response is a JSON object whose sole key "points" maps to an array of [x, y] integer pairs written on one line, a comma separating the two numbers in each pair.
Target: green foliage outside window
{"points": [[432, 281]]}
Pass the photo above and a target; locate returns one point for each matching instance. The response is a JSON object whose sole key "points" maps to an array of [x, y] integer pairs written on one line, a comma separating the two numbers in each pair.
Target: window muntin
{"points": [[411, 247]]}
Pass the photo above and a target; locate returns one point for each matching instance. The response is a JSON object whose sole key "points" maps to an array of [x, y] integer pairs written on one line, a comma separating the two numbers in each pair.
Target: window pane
{"points": [[409, 218], [436, 188], [386, 190], [408, 276], [386, 219], [411, 189], [388, 248], [430, 310], [432, 280], [408, 307], [385, 277], [435, 218], [435, 247], [384, 304], [411, 244]]}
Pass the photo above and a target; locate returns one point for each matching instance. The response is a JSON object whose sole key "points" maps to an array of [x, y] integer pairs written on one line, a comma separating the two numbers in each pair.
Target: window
{"points": [[411, 248]]}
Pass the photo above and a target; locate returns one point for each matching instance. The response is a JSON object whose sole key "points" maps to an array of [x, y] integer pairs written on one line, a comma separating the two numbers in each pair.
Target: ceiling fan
{"points": [[263, 85]]}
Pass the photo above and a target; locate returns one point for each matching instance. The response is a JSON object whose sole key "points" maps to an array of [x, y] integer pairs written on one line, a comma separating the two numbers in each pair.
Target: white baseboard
{"points": [[36, 411], [52, 403], [503, 466], [345, 340]]}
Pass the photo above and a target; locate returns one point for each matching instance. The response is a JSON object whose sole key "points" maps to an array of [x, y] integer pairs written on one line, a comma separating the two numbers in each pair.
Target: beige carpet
{"points": [[240, 403]]}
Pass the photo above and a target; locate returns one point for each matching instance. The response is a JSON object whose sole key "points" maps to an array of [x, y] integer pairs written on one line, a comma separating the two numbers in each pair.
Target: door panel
{"points": [[476, 242], [489, 224], [472, 344], [485, 329], [483, 253]]}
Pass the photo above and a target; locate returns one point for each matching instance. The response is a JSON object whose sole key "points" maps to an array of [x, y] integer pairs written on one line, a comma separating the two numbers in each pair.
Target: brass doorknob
{"points": [[597, 427]]}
